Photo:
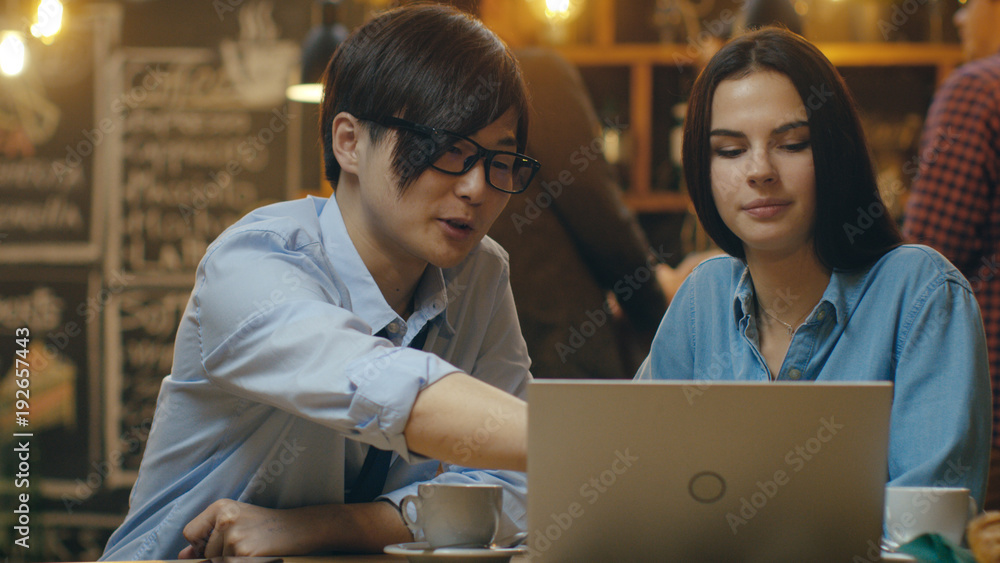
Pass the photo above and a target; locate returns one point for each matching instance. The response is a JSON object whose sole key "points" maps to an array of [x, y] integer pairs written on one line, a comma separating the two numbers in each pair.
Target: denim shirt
{"points": [[289, 363], [910, 318]]}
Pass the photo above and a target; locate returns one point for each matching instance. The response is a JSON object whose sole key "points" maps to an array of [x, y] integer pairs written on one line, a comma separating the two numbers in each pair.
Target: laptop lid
{"points": [[706, 471]]}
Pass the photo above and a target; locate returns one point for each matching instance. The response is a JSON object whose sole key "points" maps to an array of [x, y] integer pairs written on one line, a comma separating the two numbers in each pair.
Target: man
{"points": [[954, 203], [332, 346]]}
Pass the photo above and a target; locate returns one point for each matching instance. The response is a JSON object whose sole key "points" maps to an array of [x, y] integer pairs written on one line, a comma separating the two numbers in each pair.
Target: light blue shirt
{"points": [[910, 318], [279, 385]]}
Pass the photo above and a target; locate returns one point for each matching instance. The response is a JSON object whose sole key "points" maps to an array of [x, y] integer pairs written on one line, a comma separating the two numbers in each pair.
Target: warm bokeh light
{"points": [[305, 93], [49, 20], [557, 9], [12, 53]]}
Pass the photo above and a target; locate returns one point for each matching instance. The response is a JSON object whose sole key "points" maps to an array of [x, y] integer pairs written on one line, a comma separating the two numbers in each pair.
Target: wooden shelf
{"points": [[658, 202], [642, 59], [940, 55]]}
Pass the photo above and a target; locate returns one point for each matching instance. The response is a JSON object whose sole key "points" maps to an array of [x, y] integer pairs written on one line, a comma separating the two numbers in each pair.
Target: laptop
{"points": [[706, 471]]}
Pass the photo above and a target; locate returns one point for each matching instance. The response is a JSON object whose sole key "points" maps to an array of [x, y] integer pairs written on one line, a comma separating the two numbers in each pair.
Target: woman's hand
{"points": [[228, 527]]}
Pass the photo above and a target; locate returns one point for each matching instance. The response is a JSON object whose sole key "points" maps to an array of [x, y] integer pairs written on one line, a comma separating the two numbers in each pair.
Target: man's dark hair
{"points": [[430, 64]]}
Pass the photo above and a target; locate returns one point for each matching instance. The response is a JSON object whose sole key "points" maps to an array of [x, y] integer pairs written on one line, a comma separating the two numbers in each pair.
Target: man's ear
{"points": [[346, 136]]}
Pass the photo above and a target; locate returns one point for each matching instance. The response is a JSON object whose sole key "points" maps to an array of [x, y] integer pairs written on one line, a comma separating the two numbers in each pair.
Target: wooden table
{"points": [[382, 558]]}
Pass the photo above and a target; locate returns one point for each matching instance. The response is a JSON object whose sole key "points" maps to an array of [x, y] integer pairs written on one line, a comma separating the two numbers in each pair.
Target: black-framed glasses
{"points": [[455, 154]]}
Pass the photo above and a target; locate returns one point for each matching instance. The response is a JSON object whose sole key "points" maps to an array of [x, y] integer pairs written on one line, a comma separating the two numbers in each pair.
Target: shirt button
{"points": [[821, 315], [393, 327], [794, 374]]}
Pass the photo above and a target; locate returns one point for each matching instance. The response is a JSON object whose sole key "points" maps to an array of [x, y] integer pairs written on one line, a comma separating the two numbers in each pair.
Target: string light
{"points": [[12, 53], [49, 20], [557, 9], [557, 14]]}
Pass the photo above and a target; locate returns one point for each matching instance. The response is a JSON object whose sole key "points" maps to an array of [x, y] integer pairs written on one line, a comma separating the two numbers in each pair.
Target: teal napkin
{"points": [[934, 547]]}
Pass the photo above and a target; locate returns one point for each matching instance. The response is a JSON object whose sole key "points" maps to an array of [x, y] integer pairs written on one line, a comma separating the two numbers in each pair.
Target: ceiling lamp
{"points": [[12, 53], [48, 21], [317, 49]]}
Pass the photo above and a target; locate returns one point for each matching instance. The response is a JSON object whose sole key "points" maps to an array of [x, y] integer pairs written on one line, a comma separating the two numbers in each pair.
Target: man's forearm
{"points": [[458, 406], [365, 527], [228, 527]]}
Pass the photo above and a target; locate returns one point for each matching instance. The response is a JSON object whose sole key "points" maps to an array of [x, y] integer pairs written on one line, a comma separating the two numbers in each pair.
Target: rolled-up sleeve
{"points": [[275, 328]]}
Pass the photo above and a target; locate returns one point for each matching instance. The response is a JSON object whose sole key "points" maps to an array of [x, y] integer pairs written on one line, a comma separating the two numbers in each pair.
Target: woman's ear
{"points": [[346, 136]]}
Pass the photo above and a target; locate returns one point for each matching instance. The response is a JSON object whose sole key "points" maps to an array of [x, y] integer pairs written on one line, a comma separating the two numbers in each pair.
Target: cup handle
{"points": [[412, 524], [973, 509]]}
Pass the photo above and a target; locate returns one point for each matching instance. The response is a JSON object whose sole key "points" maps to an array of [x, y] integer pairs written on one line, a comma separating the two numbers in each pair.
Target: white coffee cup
{"points": [[455, 514], [912, 511]]}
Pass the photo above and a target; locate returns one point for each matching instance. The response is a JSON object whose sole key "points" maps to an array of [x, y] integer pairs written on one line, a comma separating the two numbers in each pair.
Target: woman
{"points": [[818, 286], [331, 347]]}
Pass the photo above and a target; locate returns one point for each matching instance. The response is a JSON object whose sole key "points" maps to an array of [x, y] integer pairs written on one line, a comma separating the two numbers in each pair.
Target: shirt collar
{"points": [[841, 294], [844, 292], [364, 297], [431, 299]]}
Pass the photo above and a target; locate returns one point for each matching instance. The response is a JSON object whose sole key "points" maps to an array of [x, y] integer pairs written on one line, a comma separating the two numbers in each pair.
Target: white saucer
{"points": [[421, 552], [893, 556]]}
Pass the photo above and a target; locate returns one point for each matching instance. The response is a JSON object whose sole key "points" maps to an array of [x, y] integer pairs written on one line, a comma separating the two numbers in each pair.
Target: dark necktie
{"points": [[375, 469]]}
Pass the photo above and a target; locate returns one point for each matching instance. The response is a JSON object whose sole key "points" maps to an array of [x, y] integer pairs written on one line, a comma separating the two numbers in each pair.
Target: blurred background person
{"points": [[760, 13], [572, 240], [954, 203]]}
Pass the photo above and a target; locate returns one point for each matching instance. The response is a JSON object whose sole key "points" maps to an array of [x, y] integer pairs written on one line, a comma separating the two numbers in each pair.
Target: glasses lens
{"points": [[501, 171], [454, 155], [510, 172], [523, 172]]}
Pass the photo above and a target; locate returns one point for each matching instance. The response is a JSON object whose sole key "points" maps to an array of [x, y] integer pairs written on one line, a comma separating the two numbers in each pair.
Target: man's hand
{"points": [[228, 527]]}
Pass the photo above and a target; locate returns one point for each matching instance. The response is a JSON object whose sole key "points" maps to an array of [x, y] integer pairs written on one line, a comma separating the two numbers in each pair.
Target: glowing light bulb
{"points": [[12, 53], [50, 13], [557, 9]]}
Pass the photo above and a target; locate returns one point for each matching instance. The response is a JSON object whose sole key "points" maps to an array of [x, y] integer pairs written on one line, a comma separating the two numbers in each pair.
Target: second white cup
{"points": [[912, 511]]}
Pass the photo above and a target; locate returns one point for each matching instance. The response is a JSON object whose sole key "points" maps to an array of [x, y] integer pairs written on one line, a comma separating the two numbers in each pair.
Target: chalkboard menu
{"points": [[53, 141], [53, 321], [50, 142], [118, 167], [194, 157], [199, 146], [141, 338]]}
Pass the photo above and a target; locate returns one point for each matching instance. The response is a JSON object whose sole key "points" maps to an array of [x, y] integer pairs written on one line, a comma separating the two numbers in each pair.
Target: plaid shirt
{"points": [[954, 204]]}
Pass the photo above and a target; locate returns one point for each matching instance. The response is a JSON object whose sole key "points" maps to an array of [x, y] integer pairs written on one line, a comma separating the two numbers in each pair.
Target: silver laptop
{"points": [[706, 471]]}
